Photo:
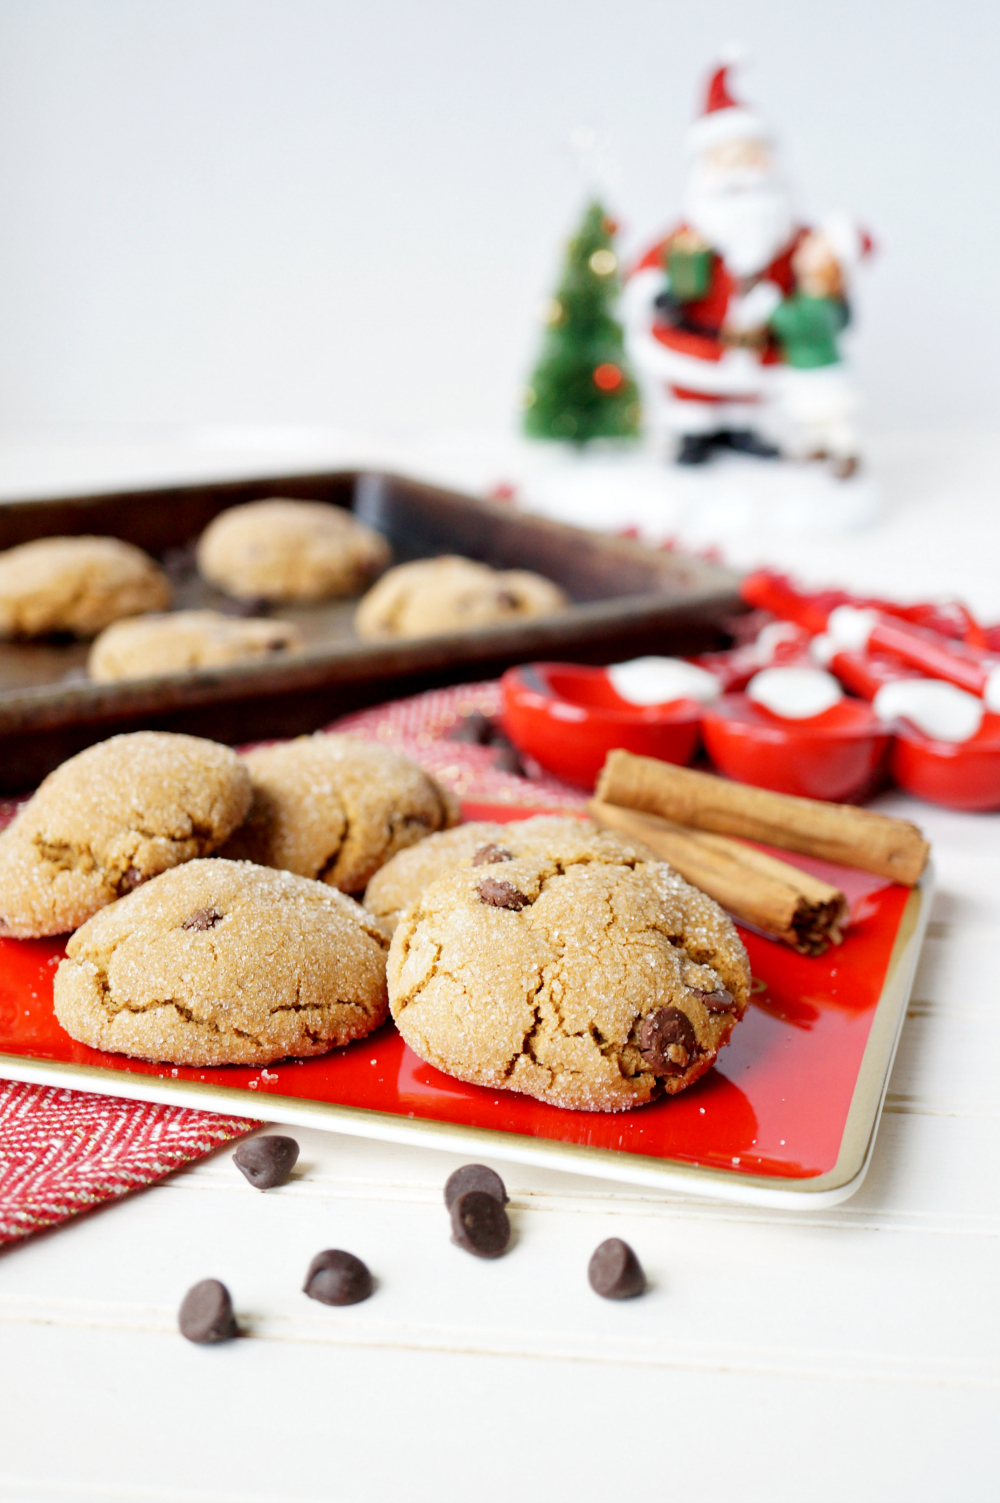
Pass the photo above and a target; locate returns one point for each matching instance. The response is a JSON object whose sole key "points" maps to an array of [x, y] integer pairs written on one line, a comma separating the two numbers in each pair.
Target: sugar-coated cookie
{"points": [[109, 819], [280, 549], [221, 962], [589, 980], [403, 878], [183, 641], [336, 808], [434, 595], [76, 585]]}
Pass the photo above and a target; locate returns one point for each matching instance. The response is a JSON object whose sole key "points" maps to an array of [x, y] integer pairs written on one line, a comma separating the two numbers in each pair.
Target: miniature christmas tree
{"points": [[582, 388]]}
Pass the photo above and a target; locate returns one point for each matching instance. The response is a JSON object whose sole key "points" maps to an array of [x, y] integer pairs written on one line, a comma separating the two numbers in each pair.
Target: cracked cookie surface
{"points": [[451, 593], [588, 978], [404, 877], [109, 819], [223, 962], [76, 584], [280, 549], [184, 641], [336, 808]]}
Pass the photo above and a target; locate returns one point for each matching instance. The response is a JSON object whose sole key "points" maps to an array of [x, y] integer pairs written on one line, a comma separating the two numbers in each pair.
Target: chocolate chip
{"points": [[501, 894], [337, 1278], [206, 1313], [506, 757], [615, 1272], [203, 918], [720, 1000], [266, 1162], [473, 728], [474, 1177], [479, 1224], [667, 1041], [487, 854], [131, 878]]}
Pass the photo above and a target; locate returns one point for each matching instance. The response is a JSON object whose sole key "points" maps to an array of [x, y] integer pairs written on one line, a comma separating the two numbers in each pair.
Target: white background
{"points": [[348, 213]]}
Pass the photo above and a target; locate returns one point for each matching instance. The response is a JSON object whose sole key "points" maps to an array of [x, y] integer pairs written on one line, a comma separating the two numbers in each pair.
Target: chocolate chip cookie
{"points": [[336, 808], [109, 819], [184, 641], [280, 549], [590, 981], [402, 879], [222, 962], [76, 585], [448, 594]]}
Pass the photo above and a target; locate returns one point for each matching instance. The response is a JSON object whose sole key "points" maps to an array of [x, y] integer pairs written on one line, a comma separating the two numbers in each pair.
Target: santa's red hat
{"points": [[723, 117]]}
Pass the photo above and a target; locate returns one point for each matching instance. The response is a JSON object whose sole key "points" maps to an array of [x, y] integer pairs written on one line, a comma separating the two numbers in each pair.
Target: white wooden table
{"points": [[853, 1353]]}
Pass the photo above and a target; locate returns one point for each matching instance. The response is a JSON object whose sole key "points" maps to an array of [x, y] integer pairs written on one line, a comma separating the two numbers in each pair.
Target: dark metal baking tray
{"points": [[627, 599]]}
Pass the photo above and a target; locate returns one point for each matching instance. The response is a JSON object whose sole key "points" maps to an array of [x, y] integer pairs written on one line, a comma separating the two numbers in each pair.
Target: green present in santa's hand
{"points": [[806, 329]]}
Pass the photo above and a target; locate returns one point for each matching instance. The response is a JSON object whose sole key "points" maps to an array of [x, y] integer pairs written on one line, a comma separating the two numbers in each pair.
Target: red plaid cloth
{"points": [[63, 1152]]}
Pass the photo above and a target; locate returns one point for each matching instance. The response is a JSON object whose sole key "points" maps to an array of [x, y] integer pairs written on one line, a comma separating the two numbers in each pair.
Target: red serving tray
{"points": [[786, 1116]]}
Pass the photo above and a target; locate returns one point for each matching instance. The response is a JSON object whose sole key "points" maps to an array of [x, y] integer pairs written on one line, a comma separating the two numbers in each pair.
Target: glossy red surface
{"points": [[568, 718], [775, 1104], [965, 775], [838, 755]]}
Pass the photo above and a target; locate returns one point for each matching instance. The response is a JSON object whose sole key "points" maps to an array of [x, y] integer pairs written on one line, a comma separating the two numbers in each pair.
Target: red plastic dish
{"points": [[965, 775], [569, 717], [838, 755]]}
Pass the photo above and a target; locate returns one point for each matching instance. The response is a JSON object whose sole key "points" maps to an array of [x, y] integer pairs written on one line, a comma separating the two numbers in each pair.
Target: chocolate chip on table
{"points": [[473, 728], [615, 1272], [202, 918], [474, 1177], [487, 854], [268, 1161], [501, 894], [479, 1224], [507, 757], [337, 1278], [206, 1313], [667, 1041], [720, 1000]]}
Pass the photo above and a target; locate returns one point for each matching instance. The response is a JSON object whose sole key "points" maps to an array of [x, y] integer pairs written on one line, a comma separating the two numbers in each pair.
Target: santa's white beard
{"points": [[746, 217]]}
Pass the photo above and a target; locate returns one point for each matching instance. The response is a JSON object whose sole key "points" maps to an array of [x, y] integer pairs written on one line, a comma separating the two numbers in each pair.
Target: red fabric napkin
{"points": [[63, 1152]]}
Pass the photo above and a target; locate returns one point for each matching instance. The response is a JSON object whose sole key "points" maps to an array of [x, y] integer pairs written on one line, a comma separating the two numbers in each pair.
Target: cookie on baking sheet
{"points": [[589, 981], [336, 808], [433, 595], [222, 962], [77, 585], [403, 878], [183, 641], [109, 819], [280, 549]]}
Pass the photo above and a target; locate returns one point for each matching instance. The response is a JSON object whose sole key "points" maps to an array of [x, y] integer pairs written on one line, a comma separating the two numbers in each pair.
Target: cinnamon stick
{"points": [[891, 848], [785, 903]]}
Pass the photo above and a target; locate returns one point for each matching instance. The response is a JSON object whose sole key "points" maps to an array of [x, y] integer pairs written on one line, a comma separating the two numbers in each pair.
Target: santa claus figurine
{"points": [[698, 306]]}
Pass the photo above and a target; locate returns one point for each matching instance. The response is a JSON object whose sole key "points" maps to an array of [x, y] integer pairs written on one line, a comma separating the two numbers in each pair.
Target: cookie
{"points": [[76, 585], [223, 963], [290, 550], [433, 595], [109, 819], [405, 875], [184, 641], [591, 980], [335, 808], [403, 878]]}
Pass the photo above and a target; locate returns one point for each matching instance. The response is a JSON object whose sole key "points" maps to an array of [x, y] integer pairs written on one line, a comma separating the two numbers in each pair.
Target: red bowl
{"points": [[569, 717], [965, 775], [838, 755]]}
